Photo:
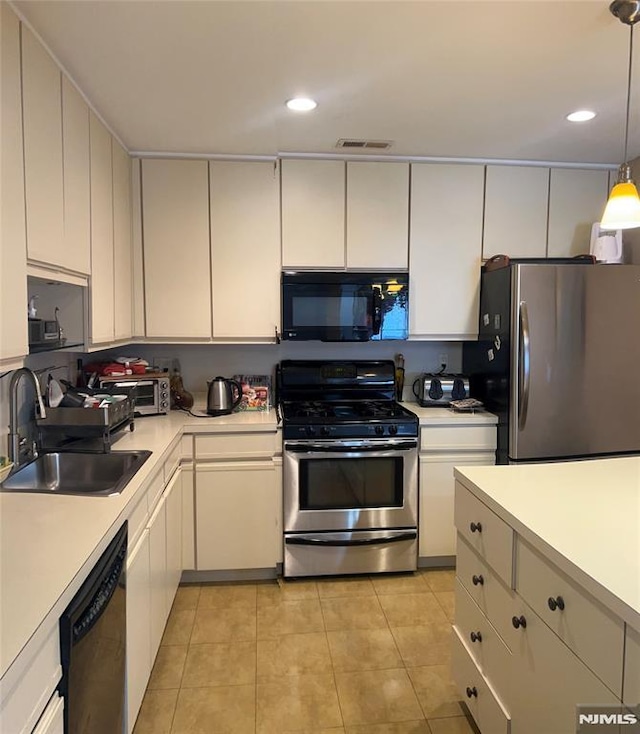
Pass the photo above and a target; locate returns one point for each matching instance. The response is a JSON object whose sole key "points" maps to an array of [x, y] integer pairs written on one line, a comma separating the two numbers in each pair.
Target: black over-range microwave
{"points": [[344, 307]]}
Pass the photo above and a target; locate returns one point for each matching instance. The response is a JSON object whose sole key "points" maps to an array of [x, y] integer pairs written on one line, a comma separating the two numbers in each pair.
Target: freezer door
{"points": [[575, 354]]}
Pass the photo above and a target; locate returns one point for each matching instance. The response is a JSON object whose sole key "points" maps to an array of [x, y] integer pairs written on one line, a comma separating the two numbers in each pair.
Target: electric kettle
{"points": [[220, 400]]}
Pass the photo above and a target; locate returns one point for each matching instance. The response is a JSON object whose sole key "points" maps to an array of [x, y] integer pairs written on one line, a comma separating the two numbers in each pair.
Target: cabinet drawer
{"points": [[235, 445], [593, 633], [457, 438], [631, 684], [483, 642], [485, 532], [484, 705], [155, 489], [138, 521], [172, 463], [52, 720], [498, 602]]}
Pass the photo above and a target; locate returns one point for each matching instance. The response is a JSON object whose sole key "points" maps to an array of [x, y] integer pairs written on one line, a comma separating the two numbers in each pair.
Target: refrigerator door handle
{"points": [[524, 372]]}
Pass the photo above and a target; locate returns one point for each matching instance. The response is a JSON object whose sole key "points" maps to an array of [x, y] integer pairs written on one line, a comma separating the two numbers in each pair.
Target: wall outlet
{"points": [[443, 359]]}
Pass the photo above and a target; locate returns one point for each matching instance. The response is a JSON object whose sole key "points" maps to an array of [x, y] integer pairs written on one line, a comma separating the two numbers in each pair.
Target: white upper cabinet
{"points": [[245, 249], [377, 215], [445, 249], [175, 210], [313, 214], [102, 273], [76, 252], [13, 253], [577, 199], [122, 250], [515, 211], [42, 103]]}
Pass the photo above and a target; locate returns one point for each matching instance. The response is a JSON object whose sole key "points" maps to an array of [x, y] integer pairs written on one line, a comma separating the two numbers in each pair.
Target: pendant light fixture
{"points": [[623, 208]]}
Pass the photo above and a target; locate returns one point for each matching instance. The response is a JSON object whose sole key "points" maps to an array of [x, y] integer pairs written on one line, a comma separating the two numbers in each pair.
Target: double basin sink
{"points": [[99, 475]]}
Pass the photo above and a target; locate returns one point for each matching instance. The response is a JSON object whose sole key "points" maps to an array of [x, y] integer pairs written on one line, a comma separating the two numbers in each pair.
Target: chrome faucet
{"points": [[15, 442]]}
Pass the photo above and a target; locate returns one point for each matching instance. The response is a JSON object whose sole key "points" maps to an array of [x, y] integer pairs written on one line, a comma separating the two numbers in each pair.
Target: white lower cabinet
{"points": [[52, 720], [138, 628], [157, 574], [441, 449], [173, 509], [238, 509], [188, 521]]}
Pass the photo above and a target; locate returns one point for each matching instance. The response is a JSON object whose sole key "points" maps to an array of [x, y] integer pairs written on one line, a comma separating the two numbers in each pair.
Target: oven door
{"points": [[350, 485]]}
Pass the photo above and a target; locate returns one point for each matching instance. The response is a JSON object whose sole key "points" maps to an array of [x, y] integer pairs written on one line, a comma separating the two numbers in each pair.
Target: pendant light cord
{"points": [[626, 127]]}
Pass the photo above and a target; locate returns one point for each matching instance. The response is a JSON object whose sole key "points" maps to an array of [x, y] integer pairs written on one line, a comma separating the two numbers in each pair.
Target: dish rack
{"points": [[87, 429]]}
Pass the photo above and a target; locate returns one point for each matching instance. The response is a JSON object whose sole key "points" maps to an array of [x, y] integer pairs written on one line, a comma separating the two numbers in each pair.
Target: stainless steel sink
{"points": [[73, 473]]}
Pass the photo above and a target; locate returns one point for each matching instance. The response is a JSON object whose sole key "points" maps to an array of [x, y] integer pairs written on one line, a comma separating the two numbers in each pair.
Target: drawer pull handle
{"points": [[518, 622], [478, 580], [472, 692], [475, 527], [476, 637], [557, 603]]}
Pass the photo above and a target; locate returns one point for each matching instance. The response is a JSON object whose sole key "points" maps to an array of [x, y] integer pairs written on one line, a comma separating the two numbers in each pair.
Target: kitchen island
{"points": [[547, 592]]}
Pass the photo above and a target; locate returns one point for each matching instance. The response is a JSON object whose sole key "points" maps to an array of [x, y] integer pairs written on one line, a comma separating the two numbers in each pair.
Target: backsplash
{"points": [[201, 362]]}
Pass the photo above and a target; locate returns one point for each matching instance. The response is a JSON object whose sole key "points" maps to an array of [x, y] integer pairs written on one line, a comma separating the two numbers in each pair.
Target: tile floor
{"points": [[350, 656]]}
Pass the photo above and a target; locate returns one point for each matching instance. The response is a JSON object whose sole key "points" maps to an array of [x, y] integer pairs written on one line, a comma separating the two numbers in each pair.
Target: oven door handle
{"points": [[307, 540], [316, 448]]}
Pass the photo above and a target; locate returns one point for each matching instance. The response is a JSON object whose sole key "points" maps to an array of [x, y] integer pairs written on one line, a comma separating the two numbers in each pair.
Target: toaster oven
{"points": [[151, 393], [439, 389]]}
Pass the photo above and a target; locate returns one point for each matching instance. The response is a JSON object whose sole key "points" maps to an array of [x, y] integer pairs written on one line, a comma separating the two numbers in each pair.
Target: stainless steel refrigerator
{"points": [[558, 358]]}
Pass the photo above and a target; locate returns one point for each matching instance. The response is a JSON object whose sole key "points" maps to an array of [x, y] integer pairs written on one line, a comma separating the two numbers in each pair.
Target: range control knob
{"points": [[379, 430], [311, 431], [393, 430], [324, 431]]}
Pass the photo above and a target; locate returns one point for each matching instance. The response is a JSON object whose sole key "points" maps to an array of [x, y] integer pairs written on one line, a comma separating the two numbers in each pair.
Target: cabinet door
{"points": [[122, 248], [515, 211], [139, 658], [576, 200], [102, 304], [42, 103], [76, 178], [173, 500], [377, 215], [158, 574], [313, 213], [188, 521], [546, 670], [13, 252], [446, 249], [245, 249], [138, 326], [177, 269], [237, 519], [436, 529]]}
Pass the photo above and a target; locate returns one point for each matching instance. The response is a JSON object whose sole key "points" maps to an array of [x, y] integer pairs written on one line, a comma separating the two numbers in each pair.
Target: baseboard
{"points": [[437, 562]]}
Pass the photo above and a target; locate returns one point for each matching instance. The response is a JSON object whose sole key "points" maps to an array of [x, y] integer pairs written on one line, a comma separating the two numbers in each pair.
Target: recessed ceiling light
{"points": [[581, 116], [302, 104]]}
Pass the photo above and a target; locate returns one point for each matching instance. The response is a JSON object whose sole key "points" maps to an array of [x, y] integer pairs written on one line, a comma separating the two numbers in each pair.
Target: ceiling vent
{"points": [[364, 144]]}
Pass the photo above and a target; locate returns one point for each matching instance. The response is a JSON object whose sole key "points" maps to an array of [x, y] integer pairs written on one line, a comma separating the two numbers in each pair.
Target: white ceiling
{"points": [[440, 78]]}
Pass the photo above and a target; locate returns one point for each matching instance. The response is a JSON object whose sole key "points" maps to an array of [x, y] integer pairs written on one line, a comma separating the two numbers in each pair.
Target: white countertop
{"points": [[49, 543], [446, 416], [583, 515]]}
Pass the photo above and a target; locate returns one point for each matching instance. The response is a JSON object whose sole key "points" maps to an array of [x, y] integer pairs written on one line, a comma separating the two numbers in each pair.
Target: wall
{"points": [[199, 363]]}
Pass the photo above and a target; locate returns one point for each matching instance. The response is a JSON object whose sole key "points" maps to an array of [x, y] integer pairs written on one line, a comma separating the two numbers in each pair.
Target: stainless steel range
{"points": [[350, 469]]}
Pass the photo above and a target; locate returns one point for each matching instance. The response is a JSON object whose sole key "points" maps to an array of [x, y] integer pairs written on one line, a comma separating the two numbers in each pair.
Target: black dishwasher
{"points": [[92, 646]]}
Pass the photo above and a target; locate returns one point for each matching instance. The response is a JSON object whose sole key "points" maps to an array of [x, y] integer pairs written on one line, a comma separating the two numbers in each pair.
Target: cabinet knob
{"points": [[557, 603], [472, 692], [476, 636], [518, 622], [477, 580], [475, 527]]}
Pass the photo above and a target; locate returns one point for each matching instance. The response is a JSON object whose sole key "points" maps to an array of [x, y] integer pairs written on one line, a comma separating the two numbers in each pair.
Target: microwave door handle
{"points": [[376, 304]]}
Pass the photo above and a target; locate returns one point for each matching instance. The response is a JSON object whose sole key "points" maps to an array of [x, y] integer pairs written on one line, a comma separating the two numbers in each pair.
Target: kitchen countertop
{"points": [[583, 515], [49, 543], [446, 416]]}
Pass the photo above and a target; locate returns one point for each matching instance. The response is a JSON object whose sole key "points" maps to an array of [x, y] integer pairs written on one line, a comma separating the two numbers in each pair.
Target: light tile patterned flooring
{"points": [[347, 656]]}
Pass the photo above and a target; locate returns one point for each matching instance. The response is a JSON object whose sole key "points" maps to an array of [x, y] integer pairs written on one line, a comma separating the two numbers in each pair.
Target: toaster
{"points": [[439, 389]]}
